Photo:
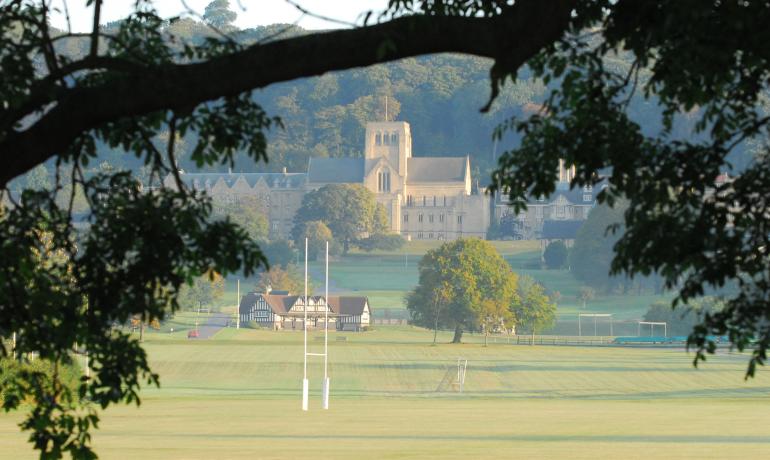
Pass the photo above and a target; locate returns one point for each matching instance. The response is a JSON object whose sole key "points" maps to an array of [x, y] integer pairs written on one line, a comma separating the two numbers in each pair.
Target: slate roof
{"points": [[336, 170], [560, 229], [272, 180], [435, 169]]}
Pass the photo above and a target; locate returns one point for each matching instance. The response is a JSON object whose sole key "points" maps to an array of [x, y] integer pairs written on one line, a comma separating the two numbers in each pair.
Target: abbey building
{"points": [[424, 197]]}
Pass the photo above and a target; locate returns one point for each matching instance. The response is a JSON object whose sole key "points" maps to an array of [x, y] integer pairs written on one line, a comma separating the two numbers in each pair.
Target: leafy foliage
{"points": [[586, 294], [317, 234], [681, 223], [683, 318], [382, 242], [249, 214], [283, 279], [534, 310], [455, 279], [218, 13], [203, 291], [60, 286], [555, 254], [348, 210]]}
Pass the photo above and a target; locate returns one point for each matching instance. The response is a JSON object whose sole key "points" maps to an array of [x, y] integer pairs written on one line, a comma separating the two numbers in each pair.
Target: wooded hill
{"points": [[439, 95]]}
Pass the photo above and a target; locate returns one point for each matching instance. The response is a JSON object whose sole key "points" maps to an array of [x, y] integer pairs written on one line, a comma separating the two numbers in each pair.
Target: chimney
{"points": [[268, 289], [284, 169]]}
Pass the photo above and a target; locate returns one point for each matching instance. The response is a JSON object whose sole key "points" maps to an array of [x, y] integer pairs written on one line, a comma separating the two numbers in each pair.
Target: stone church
{"points": [[424, 197]]}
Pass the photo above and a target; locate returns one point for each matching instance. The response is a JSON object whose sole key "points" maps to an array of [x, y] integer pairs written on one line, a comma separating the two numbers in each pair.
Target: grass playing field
{"points": [[238, 396]]}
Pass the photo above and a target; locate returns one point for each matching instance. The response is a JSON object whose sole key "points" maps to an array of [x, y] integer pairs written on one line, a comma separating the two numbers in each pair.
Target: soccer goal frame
{"points": [[652, 325], [594, 316]]}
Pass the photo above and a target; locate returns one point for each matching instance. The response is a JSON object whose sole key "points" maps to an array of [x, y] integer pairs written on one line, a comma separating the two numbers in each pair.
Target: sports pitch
{"points": [[238, 396]]}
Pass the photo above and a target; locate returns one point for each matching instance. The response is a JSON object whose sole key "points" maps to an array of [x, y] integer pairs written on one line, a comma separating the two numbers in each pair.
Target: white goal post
{"points": [[652, 324], [594, 316]]}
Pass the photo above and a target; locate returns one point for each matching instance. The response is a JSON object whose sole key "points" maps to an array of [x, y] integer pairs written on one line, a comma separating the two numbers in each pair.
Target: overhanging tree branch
{"points": [[511, 40]]}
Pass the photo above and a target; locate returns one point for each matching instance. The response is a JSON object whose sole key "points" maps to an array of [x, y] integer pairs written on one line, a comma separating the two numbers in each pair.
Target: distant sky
{"points": [[254, 12]]}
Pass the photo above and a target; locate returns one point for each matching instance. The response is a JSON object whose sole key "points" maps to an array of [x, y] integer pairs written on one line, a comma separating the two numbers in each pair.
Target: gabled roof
{"points": [[272, 180], [336, 170], [560, 229], [348, 305], [281, 304], [436, 169]]}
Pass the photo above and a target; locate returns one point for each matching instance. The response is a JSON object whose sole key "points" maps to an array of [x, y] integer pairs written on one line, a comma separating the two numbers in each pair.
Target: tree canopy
{"points": [[350, 211], [555, 254], [455, 280], [124, 87]]}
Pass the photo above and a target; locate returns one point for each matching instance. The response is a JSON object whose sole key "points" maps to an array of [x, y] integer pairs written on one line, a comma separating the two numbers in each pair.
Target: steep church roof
{"points": [[336, 170], [436, 169]]}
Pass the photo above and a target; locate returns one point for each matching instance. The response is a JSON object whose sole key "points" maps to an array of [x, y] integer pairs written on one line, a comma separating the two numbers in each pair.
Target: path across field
{"points": [[214, 323]]}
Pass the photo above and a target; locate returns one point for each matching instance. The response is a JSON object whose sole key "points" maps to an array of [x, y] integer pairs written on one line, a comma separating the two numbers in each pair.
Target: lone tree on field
{"points": [[122, 89], [455, 279], [204, 291], [585, 294]]}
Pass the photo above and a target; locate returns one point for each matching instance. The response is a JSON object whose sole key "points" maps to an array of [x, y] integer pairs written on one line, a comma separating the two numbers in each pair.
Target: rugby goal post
{"points": [[594, 316], [652, 325]]}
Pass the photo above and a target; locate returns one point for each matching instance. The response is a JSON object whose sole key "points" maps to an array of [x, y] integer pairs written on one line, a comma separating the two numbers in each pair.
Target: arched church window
{"points": [[394, 138], [383, 181], [385, 139], [378, 139]]}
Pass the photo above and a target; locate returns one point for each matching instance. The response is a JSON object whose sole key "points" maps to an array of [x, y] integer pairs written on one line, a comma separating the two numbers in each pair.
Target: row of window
{"points": [[386, 138], [586, 197], [421, 235], [561, 211], [420, 218], [426, 201]]}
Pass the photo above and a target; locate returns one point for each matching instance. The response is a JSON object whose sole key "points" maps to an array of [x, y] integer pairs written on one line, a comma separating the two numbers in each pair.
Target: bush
{"points": [[682, 319], [14, 375], [555, 255], [253, 325], [384, 242]]}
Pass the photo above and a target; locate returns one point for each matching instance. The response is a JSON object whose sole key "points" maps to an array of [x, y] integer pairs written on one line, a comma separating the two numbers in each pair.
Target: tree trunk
{"points": [[435, 324], [458, 338], [533, 335], [486, 334], [141, 331]]}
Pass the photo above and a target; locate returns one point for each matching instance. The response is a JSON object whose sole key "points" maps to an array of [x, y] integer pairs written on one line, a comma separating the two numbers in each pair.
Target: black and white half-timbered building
{"points": [[282, 311]]}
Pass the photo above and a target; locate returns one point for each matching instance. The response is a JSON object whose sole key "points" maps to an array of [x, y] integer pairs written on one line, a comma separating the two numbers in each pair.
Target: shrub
{"points": [[555, 255], [385, 242], [253, 325]]}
